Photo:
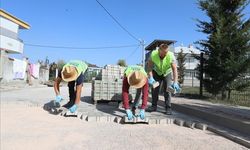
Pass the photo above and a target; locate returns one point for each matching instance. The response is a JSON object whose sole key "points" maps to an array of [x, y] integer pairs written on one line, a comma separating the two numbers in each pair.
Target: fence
{"points": [[236, 97]]}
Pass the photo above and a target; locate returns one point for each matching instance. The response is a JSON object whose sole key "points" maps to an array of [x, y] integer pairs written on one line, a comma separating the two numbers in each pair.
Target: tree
{"points": [[181, 58], [227, 45], [122, 62]]}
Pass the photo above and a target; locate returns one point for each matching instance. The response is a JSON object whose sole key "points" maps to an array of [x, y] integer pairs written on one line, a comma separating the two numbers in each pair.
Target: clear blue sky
{"points": [[83, 23]]}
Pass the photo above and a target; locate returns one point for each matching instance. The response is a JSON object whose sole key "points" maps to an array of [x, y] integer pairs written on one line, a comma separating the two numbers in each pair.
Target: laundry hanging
{"points": [[19, 69]]}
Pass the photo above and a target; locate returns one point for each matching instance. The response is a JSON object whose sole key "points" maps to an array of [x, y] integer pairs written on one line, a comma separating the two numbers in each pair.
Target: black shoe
{"points": [[168, 111], [151, 109], [68, 105]]}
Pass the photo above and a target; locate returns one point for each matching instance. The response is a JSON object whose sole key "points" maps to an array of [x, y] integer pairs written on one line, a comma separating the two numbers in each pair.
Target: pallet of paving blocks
{"points": [[111, 73], [110, 91], [108, 84]]}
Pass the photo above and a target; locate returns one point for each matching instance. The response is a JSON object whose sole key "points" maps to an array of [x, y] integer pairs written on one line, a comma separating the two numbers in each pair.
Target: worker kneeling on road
{"points": [[160, 66], [72, 73], [135, 76]]}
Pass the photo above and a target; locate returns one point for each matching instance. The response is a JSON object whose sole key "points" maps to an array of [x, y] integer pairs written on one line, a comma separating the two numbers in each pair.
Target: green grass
{"points": [[237, 98]]}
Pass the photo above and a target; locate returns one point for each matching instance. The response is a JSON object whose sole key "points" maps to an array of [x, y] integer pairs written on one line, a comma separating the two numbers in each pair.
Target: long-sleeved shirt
{"points": [[125, 94]]}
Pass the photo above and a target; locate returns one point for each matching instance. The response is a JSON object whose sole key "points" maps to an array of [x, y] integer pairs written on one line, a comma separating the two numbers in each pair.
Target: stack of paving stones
{"points": [[108, 84]]}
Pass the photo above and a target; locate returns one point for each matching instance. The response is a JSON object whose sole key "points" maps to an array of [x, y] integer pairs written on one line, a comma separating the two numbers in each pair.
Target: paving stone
{"points": [[84, 117], [91, 118], [126, 120], [170, 120], [111, 118], [189, 124], [118, 120], [139, 120], [201, 126], [179, 122], [79, 115], [152, 121], [162, 121], [102, 119]]}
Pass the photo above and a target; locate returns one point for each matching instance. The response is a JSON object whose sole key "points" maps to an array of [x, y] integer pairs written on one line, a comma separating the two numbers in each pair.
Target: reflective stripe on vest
{"points": [[162, 66], [81, 66], [131, 69]]}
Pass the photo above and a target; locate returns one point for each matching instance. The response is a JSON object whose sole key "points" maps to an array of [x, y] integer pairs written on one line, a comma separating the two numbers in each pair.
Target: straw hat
{"points": [[69, 73], [137, 79]]}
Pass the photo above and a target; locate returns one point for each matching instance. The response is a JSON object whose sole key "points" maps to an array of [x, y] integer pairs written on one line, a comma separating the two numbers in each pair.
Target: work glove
{"points": [[151, 81], [129, 114], [58, 98], [142, 114], [57, 101], [73, 108], [176, 87]]}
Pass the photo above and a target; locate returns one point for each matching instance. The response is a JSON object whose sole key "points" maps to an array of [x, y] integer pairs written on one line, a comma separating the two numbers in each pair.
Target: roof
{"points": [[22, 24], [157, 43], [187, 50]]}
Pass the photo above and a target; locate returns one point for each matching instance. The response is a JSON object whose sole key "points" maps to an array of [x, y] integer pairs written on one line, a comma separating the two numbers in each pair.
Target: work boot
{"points": [[151, 109], [168, 111]]}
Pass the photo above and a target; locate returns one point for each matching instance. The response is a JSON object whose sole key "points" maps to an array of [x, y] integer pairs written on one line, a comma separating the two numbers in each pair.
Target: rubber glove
{"points": [[142, 114], [129, 114], [176, 87], [58, 98], [151, 81], [73, 108]]}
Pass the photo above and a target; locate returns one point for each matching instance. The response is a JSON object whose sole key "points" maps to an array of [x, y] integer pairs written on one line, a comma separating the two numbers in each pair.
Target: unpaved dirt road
{"points": [[31, 127]]}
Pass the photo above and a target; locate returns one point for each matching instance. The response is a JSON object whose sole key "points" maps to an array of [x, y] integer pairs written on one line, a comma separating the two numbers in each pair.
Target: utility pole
{"points": [[143, 52]]}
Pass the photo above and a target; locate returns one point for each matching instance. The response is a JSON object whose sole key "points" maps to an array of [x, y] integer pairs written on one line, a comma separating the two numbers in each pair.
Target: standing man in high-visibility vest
{"points": [[135, 76], [160, 67], [73, 73]]}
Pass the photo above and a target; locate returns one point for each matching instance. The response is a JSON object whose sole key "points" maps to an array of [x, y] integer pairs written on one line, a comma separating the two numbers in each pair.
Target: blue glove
{"points": [[73, 108], [176, 87], [142, 114], [58, 99], [129, 114], [151, 81]]}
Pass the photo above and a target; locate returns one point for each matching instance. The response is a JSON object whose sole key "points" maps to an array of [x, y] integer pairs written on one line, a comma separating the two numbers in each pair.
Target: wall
{"points": [[7, 74], [43, 75], [7, 24], [6, 68], [12, 45]]}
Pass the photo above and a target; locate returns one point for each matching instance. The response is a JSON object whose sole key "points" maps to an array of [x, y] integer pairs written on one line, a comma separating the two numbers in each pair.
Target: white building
{"points": [[9, 29], [9, 42], [190, 64]]}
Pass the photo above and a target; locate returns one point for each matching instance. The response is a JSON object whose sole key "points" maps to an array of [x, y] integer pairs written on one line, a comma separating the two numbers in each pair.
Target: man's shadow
{"points": [[112, 107], [52, 108]]}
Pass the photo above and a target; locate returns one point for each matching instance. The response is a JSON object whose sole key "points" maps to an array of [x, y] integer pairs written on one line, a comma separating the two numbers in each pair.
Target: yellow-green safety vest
{"points": [[162, 66], [131, 69], [81, 66]]}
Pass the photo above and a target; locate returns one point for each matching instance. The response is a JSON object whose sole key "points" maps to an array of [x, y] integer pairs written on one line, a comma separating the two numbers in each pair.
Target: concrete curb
{"points": [[177, 121], [234, 124], [229, 136]]}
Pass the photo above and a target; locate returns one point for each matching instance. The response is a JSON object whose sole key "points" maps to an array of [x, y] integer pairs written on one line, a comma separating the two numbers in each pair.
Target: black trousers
{"points": [[166, 81], [72, 92]]}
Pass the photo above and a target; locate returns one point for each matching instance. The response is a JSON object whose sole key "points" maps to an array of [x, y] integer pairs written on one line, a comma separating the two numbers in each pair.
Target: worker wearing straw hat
{"points": [[73, 73], [135, 76]]}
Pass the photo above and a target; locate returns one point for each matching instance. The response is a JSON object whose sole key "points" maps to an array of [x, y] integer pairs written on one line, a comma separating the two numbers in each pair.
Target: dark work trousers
{"points": [[137, 98], [72, 92], [166, 81]]}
